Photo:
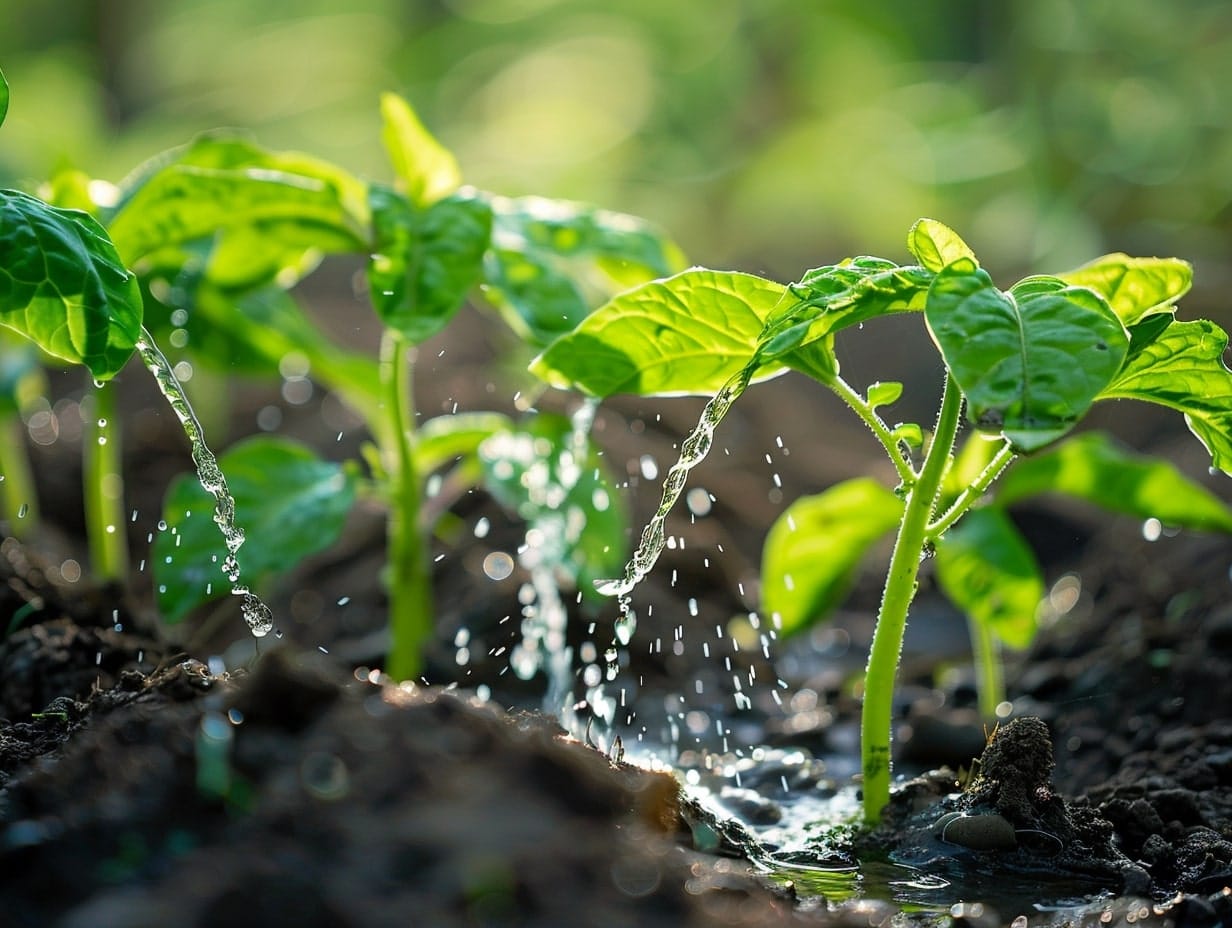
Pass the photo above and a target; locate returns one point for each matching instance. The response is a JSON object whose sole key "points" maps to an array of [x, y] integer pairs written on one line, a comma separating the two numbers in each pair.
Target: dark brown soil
{"points": [[138, 788]]}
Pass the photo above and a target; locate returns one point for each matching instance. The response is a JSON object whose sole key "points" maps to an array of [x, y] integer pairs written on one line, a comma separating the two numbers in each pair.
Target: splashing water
{"points": [[692, 452], [256, 613], [545, 617]]}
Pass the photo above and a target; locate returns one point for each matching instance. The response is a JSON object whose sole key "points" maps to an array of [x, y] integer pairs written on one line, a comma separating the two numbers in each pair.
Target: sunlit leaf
{"points": [[1029, 362], [1183, 369], [426, 260], [988, 570], [289, 502], [813, 549], [1134, 287], [553, 262], [687, 334], [832, 298], [427, 171], [4, 98], [558, 485], [1094, 468], [268, 215], [63, 286], [936, 245]]}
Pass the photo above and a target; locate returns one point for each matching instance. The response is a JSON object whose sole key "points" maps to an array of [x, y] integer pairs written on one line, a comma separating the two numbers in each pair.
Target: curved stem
{"points": [[409, 580], [877, 716], [103, 488], [1001, 460], [878, 427]]}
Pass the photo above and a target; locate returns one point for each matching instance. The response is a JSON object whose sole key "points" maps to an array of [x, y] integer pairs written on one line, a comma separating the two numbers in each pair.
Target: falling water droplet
{"points": [[255, 612]]}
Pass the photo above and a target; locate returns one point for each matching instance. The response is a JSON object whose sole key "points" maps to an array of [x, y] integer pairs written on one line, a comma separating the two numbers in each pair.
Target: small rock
{"points": [[977, 832]]}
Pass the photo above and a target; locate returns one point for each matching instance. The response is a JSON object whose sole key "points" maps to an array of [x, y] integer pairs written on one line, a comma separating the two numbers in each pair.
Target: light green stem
{"points": [[969, 496], [103, 487], [18, 503], [409, 579], [989, 675], [878, 427], [900, 588]]}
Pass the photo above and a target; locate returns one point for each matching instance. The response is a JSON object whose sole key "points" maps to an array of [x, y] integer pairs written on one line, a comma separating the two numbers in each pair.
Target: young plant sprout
{"points": [[1026, 364], [216, 234]]}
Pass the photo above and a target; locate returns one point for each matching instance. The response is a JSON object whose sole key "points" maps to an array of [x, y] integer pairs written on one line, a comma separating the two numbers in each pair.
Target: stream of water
{"points": [[256, 613]]}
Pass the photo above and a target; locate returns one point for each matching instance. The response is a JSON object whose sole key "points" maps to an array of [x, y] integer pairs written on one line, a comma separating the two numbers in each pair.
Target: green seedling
{"points": [[429, 244], [218, 232], [1026, 364]]}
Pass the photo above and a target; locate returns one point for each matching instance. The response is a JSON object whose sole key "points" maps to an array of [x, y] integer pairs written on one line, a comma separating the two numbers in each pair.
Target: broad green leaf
{"points": [[558, 484], [688, 334], [814, 547], [1094, 468], [936, 245], [426, 260], [1134, 287], [289, 503], [835, 297], [553, 261], [268, 215], [438, 441], [4, 98], [1183, 369], [988, 570], [426, 169], [63, 286], [1029, 362]]}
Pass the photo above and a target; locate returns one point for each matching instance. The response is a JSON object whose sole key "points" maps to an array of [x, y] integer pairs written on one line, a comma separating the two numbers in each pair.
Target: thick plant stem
{"points": [[989, 676], [103, 487], [18, 503], [408, 577], [900, 587]]}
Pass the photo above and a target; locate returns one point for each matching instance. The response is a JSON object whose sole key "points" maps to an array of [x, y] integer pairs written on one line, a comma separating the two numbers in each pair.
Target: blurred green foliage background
{"points": [[771, 135]]}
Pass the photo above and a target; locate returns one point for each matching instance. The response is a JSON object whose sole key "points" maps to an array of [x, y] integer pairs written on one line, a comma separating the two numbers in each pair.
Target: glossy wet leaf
{"points": [[832, 298], [936, 245], [577, 516], [426, 170], [687, 334], [266, 215], [4, 98], [63, 286], [552, 262], [1094, 468], [426, 259], [814, 547], [1134, 287], [289, 502], [1029, 362], [988, 570], [1183, 368]]}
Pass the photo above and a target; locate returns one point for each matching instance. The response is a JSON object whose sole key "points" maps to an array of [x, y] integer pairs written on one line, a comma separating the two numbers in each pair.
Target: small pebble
{"points": [[978, 832]]}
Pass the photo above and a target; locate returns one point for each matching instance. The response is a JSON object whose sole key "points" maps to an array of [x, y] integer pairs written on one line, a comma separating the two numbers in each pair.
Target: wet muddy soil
{"points": [[150, 778]]}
